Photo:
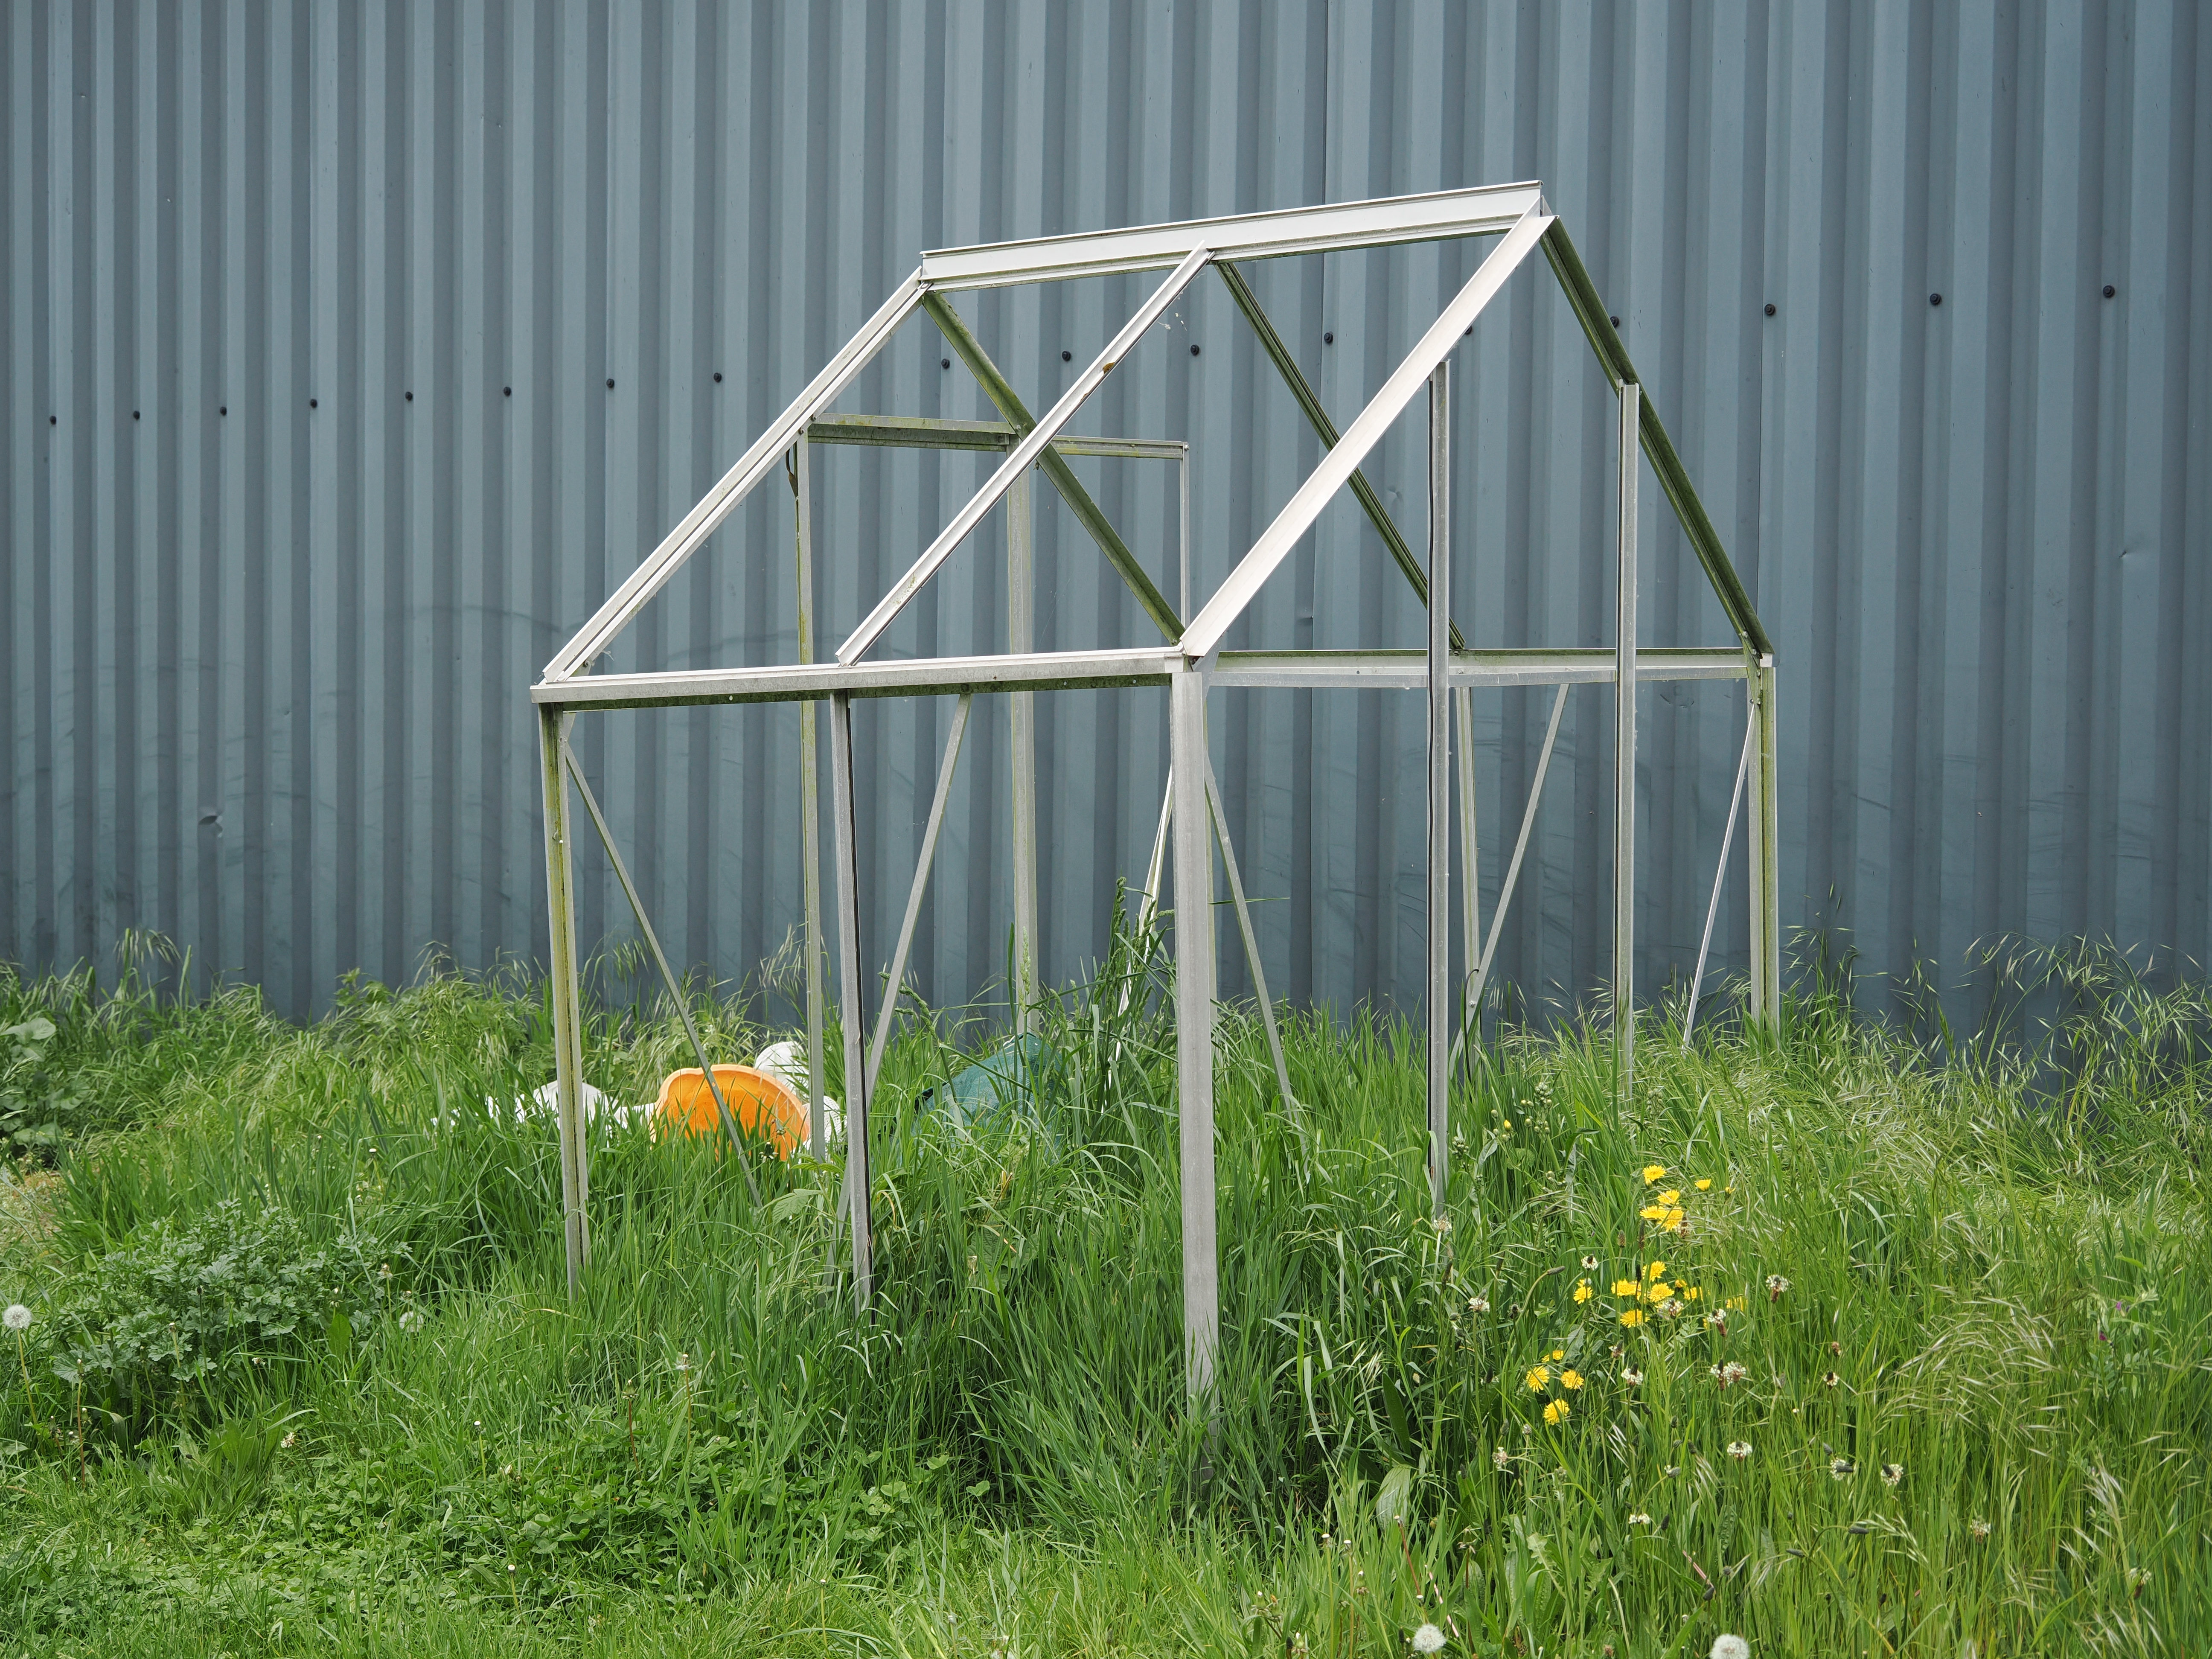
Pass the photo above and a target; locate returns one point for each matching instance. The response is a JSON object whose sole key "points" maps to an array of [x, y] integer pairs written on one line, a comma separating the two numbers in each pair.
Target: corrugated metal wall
{"points": [[352, 354]]}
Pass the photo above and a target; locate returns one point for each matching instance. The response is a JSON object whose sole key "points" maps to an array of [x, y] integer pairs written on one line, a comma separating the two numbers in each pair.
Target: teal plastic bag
{"points": [[1014, 1080]]}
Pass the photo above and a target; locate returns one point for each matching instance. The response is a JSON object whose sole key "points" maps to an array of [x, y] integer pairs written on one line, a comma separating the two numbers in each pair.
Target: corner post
{"points": [[567, 1055], [1194, 1006], [809, 796], [1022, 711], [1440, 802], [1764, 847], [847, 872], [1624, 751]]}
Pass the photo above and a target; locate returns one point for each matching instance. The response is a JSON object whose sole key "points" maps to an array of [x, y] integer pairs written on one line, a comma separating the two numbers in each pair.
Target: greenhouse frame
{"points": [[1191, 662]]}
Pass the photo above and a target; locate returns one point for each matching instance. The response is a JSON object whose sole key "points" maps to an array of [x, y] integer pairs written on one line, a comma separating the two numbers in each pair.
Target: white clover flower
{"points": [[1731, 1647], [1428, 1639], [291, 1439], [17, 1318], [411, 1320]]}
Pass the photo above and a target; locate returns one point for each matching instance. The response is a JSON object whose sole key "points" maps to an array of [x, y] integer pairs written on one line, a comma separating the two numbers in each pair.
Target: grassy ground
{"points": [[1921, 1367]]}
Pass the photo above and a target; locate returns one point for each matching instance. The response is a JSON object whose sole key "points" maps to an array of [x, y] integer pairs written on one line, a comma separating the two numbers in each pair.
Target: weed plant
{"points": [[1847, 1344]]}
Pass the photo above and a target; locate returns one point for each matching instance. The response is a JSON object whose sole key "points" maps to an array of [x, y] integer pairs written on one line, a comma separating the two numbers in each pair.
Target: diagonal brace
{"points": [[1251, 938], [1325, 429], [1087, 511], [921, 869], [667, 978], [1481, 970]]}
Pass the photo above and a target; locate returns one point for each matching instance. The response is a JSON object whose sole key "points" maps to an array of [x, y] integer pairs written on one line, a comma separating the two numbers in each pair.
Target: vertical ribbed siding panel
{"points": [[266, 688]]}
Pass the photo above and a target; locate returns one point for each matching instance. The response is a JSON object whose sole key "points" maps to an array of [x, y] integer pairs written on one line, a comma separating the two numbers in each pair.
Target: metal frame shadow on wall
{"points": [[1190, 663]]}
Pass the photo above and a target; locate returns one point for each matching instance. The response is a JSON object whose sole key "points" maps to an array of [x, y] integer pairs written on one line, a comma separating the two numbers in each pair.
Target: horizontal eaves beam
{"points": [[1049, 671], [1330, 229]]}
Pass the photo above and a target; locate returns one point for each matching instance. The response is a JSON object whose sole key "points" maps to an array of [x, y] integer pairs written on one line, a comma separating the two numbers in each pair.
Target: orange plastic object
{"points": [[762, 1105]]}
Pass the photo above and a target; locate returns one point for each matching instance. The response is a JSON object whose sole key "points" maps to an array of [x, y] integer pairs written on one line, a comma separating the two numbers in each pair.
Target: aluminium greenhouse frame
{"points": [[1191, 662]]}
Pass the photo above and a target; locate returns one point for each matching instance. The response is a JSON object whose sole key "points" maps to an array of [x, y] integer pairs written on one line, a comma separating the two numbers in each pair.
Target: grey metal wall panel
{"points": [[312, 459]]}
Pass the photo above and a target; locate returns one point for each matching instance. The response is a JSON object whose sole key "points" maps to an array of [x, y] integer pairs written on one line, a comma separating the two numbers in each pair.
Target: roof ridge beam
{"points": [[1327, 226]]}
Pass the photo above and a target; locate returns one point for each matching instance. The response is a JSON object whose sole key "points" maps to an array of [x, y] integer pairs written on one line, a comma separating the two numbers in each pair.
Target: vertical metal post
{"points": [[1764, 846], [810, 797], [847, 874], [568, 1052], [1470, 889], [1624, 751], [1183, 559], [1439, 723], [1194, 999], [1020, 630]]}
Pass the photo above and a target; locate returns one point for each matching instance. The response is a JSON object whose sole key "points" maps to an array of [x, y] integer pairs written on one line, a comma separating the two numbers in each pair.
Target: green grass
{"points": [[302, 1378]]}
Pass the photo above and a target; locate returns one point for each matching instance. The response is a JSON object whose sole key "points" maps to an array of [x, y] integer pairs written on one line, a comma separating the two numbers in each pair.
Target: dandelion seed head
{"points": [[17, 1318], [1731, 1647], [1428, 1639]]}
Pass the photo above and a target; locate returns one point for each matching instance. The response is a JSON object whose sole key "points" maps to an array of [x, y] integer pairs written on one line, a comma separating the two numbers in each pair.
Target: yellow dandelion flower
{"points": [[1672, 1219], [1659, 1292], [1582, 1291], [1555, 1411], [1690, 1292], [1654, 1173], [1571, 1378], [1671, 1195], [1539, 1378], [1627, 1287], [1633, 1316], [1704, 1183], [1652, 1212], [1656, 1270], [1558, 1353]]}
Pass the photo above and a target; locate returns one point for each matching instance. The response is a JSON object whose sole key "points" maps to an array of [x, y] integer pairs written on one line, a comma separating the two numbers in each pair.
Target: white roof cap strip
{"points": [[1432, 217]]}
